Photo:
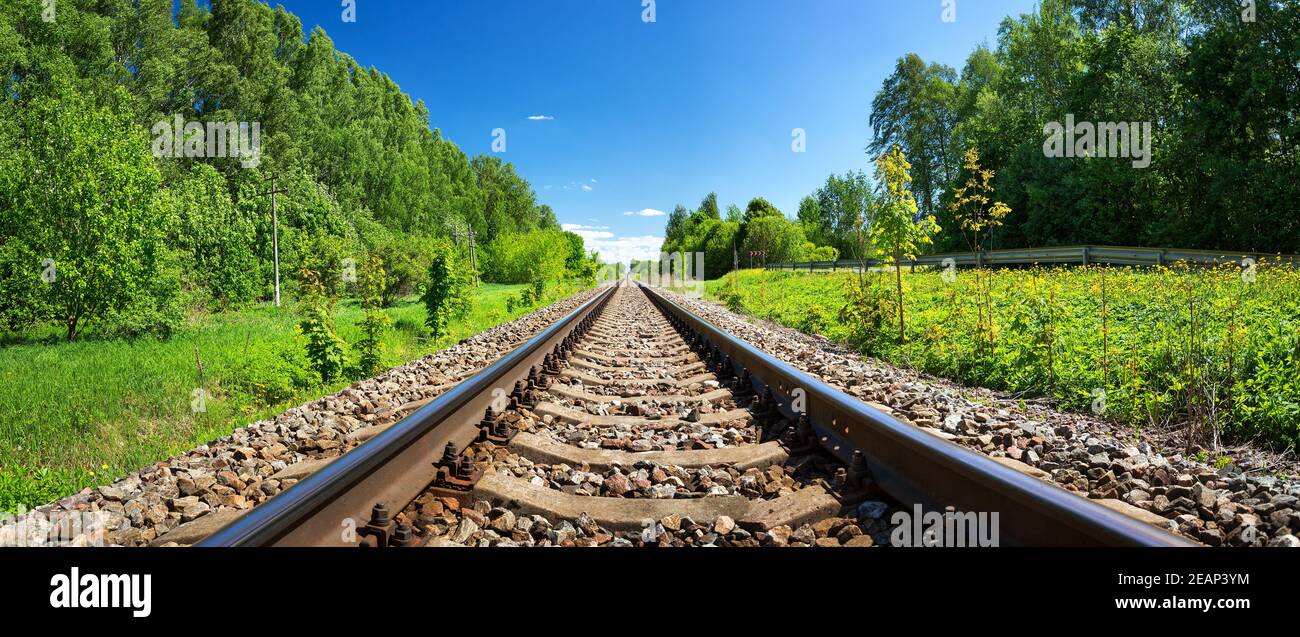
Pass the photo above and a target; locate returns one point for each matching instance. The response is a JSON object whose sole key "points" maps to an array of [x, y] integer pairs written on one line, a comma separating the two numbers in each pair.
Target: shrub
{"points": [[518, 258], [371, 284], [271, 375], [406, 263], [438, 293], [324, 347], [214, 238]]}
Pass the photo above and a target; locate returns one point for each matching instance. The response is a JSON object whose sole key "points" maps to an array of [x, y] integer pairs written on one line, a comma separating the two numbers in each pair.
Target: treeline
{"points": [[1215, 80], [121, 208], [759, 228]]}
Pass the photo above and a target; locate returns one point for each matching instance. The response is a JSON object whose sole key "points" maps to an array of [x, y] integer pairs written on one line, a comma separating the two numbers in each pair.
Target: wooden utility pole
{"points": [[275, 235]]}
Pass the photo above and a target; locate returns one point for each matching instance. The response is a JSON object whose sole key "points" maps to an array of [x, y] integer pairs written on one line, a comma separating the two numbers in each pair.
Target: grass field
{"points": [[1209, 349], [79, 414]]}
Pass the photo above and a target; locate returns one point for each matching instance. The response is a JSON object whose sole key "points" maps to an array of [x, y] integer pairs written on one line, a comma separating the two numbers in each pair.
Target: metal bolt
{"points": [[449, 454], [403, 535], [379, 515]]}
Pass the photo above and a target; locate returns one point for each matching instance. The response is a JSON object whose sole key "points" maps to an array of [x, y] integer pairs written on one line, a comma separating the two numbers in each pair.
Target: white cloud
{"points": [[625, 249], [585, 188], [614, 248], [647, 212], [541, 118]]}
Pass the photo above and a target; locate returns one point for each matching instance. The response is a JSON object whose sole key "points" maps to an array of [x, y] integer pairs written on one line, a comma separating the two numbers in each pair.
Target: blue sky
{"points": [[636, 117]]}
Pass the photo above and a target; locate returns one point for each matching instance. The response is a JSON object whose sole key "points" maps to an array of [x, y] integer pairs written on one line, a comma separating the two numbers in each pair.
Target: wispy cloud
{"points": [[578, 228], [584, 186], [541, 118], [646, 212]]}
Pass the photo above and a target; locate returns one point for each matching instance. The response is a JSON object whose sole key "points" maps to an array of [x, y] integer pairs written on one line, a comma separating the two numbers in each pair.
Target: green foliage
{"points": [[371, 287], [439, 291], [324, 347], [406, 263], [214, 239], [517, 258], [321, 261], [255, 367], [1219, 93], [577, 263], [869, 306], [537, 285], [780, 238], [80, 193], [839, 214], [1050, 335], [357, 164], [270, 374], [823, 253], [896, 231]]}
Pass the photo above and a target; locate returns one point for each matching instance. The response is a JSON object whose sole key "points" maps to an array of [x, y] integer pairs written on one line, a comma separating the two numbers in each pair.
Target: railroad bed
{"points": [[637, 441], [634, 422]]}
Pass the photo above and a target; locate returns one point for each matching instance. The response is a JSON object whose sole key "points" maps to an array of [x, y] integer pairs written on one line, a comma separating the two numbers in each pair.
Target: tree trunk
{"points": [[898, 275]]}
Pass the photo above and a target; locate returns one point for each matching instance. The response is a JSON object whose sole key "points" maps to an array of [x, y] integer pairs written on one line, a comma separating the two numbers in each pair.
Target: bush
{"points": [[322, 256], [158, 311], [371, 284], [439, 291], [271, 376], [870, 306], [518, 258], [780, 238], [214, 239], [406, 263], [324, 347], [822, 253]]}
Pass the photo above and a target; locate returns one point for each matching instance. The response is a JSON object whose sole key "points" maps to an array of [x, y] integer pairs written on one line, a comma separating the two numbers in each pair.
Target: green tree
{"points": [[783, 240], [439, 292], [371, 286], [897, 231], [844, 205], [709, 206], [83, 232], [676, 229], [974, 208], [325, 349], [215, 238], [914, 110]]}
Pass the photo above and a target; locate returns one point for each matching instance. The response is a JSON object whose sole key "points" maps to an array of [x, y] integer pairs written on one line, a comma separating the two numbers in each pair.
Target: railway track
{"points": [[632, 421]]}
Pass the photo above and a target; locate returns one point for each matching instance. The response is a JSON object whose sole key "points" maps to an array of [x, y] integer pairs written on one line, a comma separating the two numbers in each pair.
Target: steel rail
{"points": [[915, 467], [395, 466]]}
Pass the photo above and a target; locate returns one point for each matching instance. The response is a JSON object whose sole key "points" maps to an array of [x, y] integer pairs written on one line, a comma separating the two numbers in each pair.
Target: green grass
{"points": [[79, 414], [1200, 348]]}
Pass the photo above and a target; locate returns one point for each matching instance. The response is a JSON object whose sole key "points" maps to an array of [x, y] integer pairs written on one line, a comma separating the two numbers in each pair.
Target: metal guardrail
{"points": [[915, 467], [1065, 255]]}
